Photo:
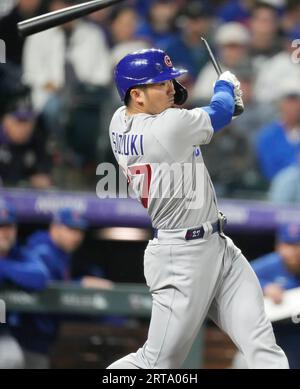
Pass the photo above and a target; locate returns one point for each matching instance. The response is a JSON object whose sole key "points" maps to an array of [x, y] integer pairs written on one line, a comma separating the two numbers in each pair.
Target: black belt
{"points": [[198, 232]]}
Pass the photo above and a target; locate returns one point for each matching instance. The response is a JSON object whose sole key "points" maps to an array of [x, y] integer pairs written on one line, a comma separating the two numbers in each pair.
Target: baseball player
{"points": [[191, 267]]}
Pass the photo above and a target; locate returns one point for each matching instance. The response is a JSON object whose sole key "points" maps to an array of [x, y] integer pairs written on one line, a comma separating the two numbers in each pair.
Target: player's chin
{"points": [[171, 103]]}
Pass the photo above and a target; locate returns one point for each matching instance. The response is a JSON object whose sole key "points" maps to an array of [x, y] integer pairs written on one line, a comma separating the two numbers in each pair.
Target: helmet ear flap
{"points": [[181, 94]]}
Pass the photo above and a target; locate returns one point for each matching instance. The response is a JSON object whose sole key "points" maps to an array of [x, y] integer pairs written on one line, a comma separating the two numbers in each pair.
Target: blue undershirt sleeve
{"points": [[221, 106]]}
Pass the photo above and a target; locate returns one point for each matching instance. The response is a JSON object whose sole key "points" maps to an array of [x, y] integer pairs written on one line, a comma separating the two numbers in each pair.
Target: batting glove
{"points": [[231, 78]]}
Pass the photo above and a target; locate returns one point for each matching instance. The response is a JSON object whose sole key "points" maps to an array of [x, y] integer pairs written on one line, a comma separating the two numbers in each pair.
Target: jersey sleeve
{"points": [[178, 130]]}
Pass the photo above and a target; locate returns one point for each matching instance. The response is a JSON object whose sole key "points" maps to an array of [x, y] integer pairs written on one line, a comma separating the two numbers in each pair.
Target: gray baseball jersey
{"points": [[188, 279], [162, 157]]}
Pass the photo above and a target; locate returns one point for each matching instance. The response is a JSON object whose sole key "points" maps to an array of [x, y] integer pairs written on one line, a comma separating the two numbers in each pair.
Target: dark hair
{"points": [[127, 97]]}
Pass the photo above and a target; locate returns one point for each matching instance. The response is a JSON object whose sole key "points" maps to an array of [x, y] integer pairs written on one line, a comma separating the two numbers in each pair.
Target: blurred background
{"points": [[56, 101]]}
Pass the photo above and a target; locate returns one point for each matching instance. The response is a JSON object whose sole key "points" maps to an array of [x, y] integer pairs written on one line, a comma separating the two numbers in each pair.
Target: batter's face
{"points": [[152, 99]]}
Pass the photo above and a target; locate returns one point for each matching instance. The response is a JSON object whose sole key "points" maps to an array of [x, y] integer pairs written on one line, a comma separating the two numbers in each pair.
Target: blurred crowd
{"points": [[57, 95], [26, 339], [279, 272]]}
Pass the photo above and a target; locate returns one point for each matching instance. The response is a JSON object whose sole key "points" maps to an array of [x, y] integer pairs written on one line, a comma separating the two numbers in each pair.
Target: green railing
{"points": [[70, 298]]}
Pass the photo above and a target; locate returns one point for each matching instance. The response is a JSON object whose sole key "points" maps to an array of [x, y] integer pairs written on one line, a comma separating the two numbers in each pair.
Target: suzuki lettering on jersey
{"points": [[128, 144]]}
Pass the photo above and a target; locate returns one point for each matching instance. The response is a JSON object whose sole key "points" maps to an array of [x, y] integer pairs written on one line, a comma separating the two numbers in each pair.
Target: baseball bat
{"points": [[56, 18], [238, 110]]}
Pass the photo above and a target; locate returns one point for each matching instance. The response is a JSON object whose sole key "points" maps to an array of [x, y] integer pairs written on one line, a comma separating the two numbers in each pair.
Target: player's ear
{"points": [[137, 95]]}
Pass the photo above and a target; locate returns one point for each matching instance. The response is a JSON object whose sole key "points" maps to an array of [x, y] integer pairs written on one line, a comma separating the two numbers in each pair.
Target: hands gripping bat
{"points": [[239, 108]]}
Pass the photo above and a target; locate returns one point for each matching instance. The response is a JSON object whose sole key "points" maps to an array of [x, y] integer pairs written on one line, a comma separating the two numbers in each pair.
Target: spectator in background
{"points": [[285, 186], [232, 40], [230, 162], [142, 6], [291, 16], [278, 71], [280, 270], [255, 115], [24, 158], [47, 54], [68, 68], [19, 270], [264, 30], [101, 20], [278, 144], [188, 50], [277, 272], [235, 11], [160, 24], [24, 9], [36, 333], [123, 26]]}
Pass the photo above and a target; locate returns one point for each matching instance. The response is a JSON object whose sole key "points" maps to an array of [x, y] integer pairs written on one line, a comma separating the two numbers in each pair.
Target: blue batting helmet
{"points": [[143, 67]]}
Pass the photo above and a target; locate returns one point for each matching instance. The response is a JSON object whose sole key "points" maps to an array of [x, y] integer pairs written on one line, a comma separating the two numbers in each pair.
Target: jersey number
{"points": [[146, 171]]}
